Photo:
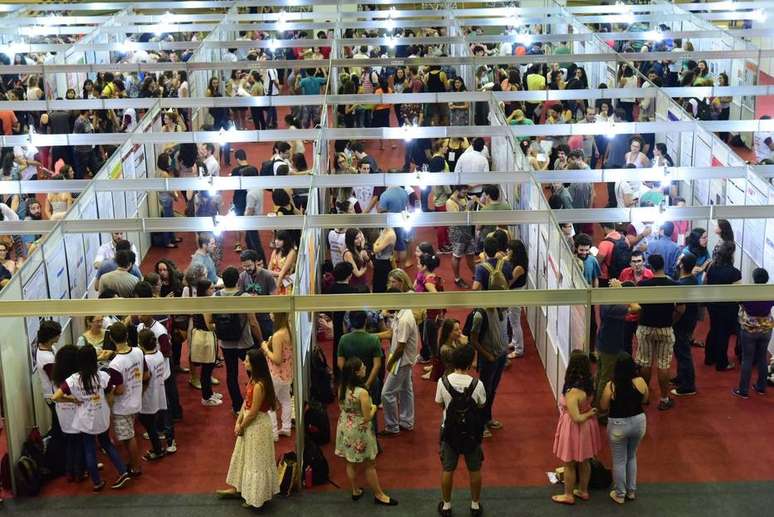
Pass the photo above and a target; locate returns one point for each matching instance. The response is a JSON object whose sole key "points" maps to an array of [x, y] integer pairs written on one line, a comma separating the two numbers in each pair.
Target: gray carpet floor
{"points": [[684, 500]]}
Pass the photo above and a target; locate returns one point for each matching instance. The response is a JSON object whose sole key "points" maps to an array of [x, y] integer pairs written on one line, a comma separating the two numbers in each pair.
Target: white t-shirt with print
{"points": [[130, 366], [154, 398], [92, 414]]}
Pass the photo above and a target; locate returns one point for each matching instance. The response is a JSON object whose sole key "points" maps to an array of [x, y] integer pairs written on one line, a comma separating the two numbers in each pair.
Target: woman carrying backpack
{"points": [[355, 438], [252, 473], [577, 437]]}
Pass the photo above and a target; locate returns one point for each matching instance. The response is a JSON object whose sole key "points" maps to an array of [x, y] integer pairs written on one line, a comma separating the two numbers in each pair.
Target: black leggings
{"points": [[148, 421]]}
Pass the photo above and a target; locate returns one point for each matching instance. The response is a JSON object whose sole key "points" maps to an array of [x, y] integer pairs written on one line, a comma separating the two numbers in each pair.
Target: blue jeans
{"points": [[686, 375], [166, 200], [232, 357], [90, 454], [490, 373], [754, 347], [398, 395], [625, 435]]}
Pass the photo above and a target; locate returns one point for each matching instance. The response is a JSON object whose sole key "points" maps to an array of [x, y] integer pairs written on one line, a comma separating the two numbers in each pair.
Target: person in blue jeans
{"points": [[685, 382], [755, 322], [488, 335], [623, 397]]}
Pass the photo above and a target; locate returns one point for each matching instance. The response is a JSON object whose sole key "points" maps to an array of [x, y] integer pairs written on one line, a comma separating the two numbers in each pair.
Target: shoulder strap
{"points": [[471, 387], [452, 392], [486, 265]]}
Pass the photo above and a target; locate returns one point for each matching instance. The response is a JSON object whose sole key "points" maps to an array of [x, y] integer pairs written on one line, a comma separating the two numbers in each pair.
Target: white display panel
{"points": [[36, 288], [755, 229], [76, 263], [735, 196], [768, 249]]}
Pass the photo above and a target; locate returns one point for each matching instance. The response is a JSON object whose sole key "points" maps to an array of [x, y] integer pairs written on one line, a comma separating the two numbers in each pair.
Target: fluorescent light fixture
{"points": [[391, 42], [654, 35], [130, 45], [391, 13], [665, 181], [514, 21], [408, 132], [612, 130], [407, 222], [282, 20], [34, 30], [211, 189], [523, 39], [225, 223]]}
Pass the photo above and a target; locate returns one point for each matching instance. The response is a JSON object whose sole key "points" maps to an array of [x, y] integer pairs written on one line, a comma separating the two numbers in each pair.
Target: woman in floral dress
{"points": [[355, 439]]}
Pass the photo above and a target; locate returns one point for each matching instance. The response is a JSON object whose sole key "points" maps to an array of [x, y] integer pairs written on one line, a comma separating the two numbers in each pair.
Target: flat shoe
{"points": [[358, 496], [616, 498], [581, 495], [228, 494], [561, 499], [391, 502]]}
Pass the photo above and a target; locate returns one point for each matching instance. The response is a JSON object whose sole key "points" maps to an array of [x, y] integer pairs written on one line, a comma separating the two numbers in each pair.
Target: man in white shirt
{"points": [[465, 386], [207, 155], [398, 391], [108, 250], [763, 144], [127, 370], [336, 242], [473, 160]]}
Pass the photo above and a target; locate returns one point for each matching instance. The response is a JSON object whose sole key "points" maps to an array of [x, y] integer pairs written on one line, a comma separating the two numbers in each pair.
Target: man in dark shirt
{"points": [[685, 382], [366, 347], [655, 336], [610, 339], [481, 274], [342, 272], [256, 280]]}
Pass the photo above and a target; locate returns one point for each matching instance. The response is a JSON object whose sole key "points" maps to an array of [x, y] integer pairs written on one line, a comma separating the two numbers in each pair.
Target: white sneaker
{"points": [[218, 396], [212, 401], [284, 432], [171, 449]]}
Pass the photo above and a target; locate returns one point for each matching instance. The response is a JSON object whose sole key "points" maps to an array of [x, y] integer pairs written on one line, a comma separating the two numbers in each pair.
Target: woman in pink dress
{"points": [[577, 437]]}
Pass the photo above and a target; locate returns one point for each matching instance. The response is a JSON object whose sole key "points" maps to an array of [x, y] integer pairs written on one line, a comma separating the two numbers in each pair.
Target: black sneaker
{"points": [[679, 392], [736, 393], [666, 404], [121, 481], [760, 392], [476, 512], [442, 512]]}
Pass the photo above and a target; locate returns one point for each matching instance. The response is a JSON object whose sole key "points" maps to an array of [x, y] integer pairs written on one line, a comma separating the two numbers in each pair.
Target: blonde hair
{"points": [[401, 276]]}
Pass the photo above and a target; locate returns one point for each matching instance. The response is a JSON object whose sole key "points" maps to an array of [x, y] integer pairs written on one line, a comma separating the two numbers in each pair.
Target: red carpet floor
{"points": [[709, 437]]}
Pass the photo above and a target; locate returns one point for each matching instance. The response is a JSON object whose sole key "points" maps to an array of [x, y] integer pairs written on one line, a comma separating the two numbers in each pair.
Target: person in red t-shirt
{"points": [[634, 273]]}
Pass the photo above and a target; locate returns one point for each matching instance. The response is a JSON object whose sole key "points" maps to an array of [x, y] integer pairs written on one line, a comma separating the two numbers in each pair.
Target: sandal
{"points": [[563, 499], [583, 496], [617, 498], [237, 248]]}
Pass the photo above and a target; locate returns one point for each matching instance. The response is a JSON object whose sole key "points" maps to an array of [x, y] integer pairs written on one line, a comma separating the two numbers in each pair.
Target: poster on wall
{"points": [[768, 250], [735, 196], [76, 262], [90, 242], [552, 276], [755, 229], [140, 170], [36, 288]]}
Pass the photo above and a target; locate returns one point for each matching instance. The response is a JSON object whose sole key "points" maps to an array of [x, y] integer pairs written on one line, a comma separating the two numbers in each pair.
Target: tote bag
{"points": [[203, 346]]}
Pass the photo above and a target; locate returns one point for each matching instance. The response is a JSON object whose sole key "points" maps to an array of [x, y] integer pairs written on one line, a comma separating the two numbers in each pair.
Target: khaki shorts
{"points": [[655, 342], [123, 426]]}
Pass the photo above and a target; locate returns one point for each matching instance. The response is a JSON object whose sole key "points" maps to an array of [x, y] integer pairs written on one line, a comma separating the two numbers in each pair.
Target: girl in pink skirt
{"points": [[577, 434]]}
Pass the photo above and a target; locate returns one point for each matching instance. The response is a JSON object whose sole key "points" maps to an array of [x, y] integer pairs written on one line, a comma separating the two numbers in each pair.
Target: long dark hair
{"points": [[624, 373], [259, 373], [726, 231], [692, 242], [349, 241], [65, 363], [519, 255], [578, 374], [725, 254], [175, 276], [349, 377], [287, 242], [87, 367], [446, 329]]}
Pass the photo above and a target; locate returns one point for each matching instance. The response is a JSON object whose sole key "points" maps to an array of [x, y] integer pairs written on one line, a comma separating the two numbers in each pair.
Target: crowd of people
{"points": [[124, 367]]}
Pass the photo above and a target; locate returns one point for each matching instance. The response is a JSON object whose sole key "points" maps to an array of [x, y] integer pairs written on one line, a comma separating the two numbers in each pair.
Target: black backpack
{"points": [[320, 379], [29, 478], [463, 427], [621, 257], [267, 168], [314, 459], [229, 327], [55, 461], [469, 323], [318, 427]]}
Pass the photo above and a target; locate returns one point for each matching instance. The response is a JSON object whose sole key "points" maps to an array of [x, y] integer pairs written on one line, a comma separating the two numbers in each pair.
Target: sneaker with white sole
{"points": [[212, 401], [145, 435], [171, 449], [218, 396]]}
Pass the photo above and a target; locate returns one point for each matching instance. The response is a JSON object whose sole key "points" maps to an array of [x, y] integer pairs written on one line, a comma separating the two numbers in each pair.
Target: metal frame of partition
{"points": [[546, 297]]}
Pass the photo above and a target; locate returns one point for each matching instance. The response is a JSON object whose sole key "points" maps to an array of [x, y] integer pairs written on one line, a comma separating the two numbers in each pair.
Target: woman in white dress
{"points": [[252, 473]]}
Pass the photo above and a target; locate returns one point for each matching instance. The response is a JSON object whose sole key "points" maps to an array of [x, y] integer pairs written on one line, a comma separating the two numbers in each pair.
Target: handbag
{"points": [[203, 345]]}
